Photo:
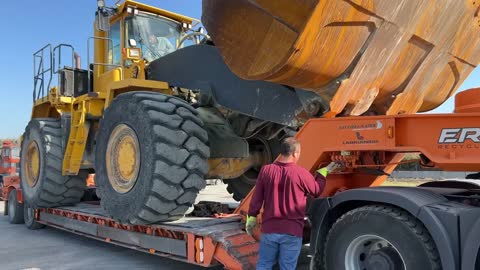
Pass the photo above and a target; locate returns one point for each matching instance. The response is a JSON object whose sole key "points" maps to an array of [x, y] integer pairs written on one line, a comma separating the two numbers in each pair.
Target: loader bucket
{"points": [[378, 56]]}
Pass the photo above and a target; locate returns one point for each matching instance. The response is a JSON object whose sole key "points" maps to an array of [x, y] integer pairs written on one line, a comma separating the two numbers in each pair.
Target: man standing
{"points": [[282, 189]]}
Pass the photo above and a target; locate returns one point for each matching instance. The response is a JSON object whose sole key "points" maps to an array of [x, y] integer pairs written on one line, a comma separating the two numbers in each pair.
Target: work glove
{"points": [[250, 225], [330, 168]]}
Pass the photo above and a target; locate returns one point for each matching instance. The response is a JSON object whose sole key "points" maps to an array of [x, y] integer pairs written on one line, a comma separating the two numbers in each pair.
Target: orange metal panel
{"points": [[468, 101], [191, 247], [225, 259], [237, 254], [320, 137], [209, 248], [450, 141]]}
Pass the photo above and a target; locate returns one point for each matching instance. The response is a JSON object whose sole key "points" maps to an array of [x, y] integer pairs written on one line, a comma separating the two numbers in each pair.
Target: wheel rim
{"points": [[32, 164], [373, 252], [123, 158]]}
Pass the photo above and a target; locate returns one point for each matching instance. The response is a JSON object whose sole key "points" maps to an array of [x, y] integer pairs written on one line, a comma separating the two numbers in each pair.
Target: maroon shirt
{"points": [[282, 189]]}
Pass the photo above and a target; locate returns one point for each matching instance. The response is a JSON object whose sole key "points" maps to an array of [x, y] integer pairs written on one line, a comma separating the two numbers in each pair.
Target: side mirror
{"points": [[102, 21], [132, 43]]}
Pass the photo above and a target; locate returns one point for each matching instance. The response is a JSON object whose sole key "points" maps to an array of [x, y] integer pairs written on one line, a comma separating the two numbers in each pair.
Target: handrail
{"points": [[98, 64], [59, 49], [41, 70]]}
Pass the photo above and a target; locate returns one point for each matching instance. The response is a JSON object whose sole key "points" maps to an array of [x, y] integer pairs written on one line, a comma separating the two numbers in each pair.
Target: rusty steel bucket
{"points": [[360, 56]]}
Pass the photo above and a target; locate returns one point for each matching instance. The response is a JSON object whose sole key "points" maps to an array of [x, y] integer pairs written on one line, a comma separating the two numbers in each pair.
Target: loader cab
{"points": [[142, 36], [133, 35], [155, 36]]}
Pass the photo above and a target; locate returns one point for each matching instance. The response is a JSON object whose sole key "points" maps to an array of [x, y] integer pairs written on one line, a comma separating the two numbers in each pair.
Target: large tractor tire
{"points": [[379, 237], [15, 209], [240, 187], [151, 158], [43, 184]]}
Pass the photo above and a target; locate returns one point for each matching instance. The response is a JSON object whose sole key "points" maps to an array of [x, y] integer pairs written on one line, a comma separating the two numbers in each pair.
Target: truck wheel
{"points": [[15, 209], [151, 158], [241, 186], [43, 184], [380, 237], [29, 217]]}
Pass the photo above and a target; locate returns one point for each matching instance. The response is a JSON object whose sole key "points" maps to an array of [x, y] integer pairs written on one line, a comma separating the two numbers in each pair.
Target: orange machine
{"points": [[10, 157]]}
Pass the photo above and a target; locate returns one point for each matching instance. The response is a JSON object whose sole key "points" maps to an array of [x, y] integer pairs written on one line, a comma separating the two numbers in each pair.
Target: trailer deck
{"points": [[201, 241]]}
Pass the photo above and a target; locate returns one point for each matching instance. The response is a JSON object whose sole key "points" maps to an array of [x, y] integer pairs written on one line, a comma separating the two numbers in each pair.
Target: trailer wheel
{"points": [[241, 186], [151, 158], [379, 237], [43, 184], [15, 209], [29, 217]]}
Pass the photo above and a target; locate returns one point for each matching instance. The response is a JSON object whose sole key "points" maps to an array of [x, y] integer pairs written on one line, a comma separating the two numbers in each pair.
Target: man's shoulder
{"points": [[301, 171], [269, 167], [291, 167]]}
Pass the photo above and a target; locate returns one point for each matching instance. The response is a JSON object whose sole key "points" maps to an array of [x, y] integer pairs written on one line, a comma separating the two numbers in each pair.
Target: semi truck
{"points": [[162, 106]]}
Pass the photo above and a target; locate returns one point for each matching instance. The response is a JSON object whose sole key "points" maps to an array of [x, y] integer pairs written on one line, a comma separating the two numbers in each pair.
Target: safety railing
{"points": [[92, 64], [42, 71], [46, 62], [57, 56]]}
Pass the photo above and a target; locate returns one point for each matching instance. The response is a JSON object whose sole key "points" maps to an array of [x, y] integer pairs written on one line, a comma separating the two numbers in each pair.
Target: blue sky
{"points": [[28, 25]]}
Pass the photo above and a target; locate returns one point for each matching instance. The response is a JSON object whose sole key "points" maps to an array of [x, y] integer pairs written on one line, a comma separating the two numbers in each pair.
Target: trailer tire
{"points": [[15, 209], [29, 217], [380, 235], [43, 184], [166, 152]]}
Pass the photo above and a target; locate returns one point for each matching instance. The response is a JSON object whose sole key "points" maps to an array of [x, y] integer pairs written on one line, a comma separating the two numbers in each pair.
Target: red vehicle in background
{"points": [[10, 158], [10, 181]]}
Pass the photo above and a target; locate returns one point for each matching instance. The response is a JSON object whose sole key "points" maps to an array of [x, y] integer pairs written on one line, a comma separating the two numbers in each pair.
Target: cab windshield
{"points": [[156, 36]]}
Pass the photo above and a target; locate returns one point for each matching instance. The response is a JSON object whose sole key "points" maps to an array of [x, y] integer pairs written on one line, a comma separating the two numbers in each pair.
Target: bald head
{"points": [[289, 147]]}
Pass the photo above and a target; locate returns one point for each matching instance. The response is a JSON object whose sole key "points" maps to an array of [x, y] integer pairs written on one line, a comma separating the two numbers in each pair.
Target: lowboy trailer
{"points": [[352, 227]]}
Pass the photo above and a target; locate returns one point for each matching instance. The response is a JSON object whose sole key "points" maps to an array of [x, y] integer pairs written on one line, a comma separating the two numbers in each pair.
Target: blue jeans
{"points": [[275, 247]]}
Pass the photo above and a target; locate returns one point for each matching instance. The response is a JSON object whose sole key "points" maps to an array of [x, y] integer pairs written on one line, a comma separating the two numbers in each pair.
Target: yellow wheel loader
{"points": [[152, 128]]}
